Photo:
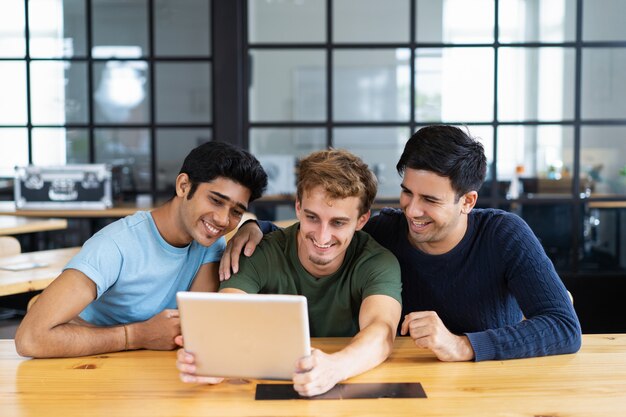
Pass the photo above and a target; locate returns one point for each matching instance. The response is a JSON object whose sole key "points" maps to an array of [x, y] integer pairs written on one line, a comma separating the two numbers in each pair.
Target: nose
{"points": [[414, 208], [323, 234], [221, 217]]}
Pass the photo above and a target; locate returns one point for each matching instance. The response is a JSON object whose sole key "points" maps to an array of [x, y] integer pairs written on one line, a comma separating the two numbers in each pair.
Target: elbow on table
{"points": [[574, 339], [577, 340], [387, 345], [29, 342]]}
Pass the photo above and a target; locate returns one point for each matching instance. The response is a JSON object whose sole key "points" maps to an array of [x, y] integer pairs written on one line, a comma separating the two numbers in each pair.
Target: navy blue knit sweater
{"points": [[483, 287]]}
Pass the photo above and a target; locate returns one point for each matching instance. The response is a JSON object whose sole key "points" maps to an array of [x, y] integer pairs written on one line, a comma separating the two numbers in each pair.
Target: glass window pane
{"points": [[12, 29], [57, 28], [454, 21], [286, 21], [182, 27], [120, 29], [380, 148], [371, 21], [552, 224], [543, 154], [288, 85], [603, 158], [77, 146], [183, 92], [59, 146], [454, 84], [603, 20], [13, 93], [14, 145], [58, 92], [371, 85], [121, 93], [603, 83], [278, 149], [536, 83], [130, 149], [537, 20], [172, 146]]}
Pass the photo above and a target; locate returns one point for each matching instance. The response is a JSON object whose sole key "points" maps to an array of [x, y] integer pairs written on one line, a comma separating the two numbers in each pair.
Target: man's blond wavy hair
{"points": [[340, 173]]}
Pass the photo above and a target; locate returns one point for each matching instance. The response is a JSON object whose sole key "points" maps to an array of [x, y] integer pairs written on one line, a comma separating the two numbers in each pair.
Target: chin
{"points": [[320, 262], [205, 241]]}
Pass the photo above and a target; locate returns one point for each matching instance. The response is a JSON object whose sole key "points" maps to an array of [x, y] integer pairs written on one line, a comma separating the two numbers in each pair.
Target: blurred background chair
{"points": [[9, 246]]}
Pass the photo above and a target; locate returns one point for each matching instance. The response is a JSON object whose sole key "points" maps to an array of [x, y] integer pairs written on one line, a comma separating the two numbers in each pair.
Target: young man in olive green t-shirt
{"points": [[352, 284], [334, 300]]}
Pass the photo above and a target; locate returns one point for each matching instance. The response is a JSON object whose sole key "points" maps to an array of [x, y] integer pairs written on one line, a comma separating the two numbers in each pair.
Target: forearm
{"points": [[368, 349], [69, 340], [538, 336]]}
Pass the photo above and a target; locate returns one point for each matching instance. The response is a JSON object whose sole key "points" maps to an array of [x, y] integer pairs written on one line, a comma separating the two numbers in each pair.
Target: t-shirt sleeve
{"points": [[214, 252], [100, 260], [383, 272], [250, 277]]}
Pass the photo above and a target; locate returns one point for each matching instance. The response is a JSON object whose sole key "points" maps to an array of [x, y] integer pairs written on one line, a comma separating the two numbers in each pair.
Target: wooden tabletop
{"points": [[145, 383], [37, 278], [15, 225], [123, 210]]}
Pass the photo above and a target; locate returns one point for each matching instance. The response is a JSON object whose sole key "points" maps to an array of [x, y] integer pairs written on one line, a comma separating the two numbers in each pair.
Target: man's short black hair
{"points": [[449, 152], [219, 159]]}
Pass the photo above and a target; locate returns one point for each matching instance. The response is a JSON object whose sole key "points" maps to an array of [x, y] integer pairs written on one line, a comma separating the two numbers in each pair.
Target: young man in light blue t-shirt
{"points": [[119, 291]]}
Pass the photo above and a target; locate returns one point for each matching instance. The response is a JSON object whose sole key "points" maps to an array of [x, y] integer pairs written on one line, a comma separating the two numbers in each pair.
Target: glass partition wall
{"points": [[105, 81], [133, 83], [541, 83]]}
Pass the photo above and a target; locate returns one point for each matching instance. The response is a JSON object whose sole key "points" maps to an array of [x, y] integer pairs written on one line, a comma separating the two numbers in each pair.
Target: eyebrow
{"points": [[430, 197], [227, 198], [346, 219]]}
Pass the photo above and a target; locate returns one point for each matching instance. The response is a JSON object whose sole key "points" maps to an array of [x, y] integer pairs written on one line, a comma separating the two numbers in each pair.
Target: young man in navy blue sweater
{"points": [[469, 276]]}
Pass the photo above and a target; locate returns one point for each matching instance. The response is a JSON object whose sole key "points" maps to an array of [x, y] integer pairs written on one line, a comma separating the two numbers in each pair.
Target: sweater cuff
{"points": [[266, 226], [484, 349]]}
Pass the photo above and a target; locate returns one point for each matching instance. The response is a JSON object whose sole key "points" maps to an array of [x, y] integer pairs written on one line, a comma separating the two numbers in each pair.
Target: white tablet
{"points": [[245, 335]]}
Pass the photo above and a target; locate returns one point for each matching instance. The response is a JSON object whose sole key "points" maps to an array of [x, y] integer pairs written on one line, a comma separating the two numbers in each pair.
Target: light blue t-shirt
{"points": [[136, 272]]}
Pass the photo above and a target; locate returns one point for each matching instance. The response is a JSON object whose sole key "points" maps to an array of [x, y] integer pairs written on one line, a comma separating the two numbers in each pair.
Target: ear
{"points": [[362, 220], [183, 185], [298, 208], [468, 202]]}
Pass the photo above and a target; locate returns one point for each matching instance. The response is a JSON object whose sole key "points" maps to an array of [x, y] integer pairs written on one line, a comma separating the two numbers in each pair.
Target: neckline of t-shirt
{"points": [[162, 242], [293, 251]]}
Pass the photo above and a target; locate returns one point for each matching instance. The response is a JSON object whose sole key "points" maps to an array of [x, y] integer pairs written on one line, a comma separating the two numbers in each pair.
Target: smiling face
{"points": [[215, 208], [436, 219], [326, 229]]}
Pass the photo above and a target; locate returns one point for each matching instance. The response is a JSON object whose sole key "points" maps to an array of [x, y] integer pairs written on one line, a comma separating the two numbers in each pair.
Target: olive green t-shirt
{"points": [[333, 301]]}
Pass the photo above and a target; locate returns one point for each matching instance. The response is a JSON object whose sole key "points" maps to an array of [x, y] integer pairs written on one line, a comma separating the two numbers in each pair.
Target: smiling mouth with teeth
{"points": [[321, 246], [210, 228]]}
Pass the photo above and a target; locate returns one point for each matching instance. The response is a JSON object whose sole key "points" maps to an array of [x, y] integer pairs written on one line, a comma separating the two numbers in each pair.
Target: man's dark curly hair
{"points": [[449, 152], [219, 159]]}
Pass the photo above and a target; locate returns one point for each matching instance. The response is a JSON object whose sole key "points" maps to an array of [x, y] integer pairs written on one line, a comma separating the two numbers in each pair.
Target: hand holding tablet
{"points": [[244, 335]]}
